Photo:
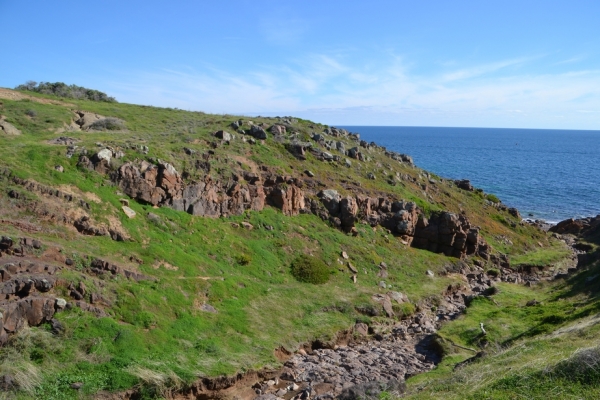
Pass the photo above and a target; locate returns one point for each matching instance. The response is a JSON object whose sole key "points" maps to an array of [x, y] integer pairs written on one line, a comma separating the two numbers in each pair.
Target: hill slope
{"points": [[152, 248]]}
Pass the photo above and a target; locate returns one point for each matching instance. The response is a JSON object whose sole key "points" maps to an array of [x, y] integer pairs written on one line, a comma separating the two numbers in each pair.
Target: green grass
{"points": [[532, 352]]}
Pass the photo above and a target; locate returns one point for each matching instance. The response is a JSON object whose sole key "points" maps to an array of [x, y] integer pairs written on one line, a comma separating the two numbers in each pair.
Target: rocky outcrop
{"points": [[24, 297], [27, 286], [443, 232], [161, 185], [154, 184], [450, 234], [583, 226]]}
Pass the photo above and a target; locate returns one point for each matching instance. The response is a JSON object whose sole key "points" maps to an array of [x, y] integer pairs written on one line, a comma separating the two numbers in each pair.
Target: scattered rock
{"points": [[61, 303], [246, 225], [59, 168], [128, 211], [223, 135], [352, 268], [208, 308], [257, 132]]}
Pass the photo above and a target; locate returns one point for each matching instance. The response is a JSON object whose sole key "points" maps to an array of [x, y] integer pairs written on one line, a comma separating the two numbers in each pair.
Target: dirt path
{"points": [[16, 95]]}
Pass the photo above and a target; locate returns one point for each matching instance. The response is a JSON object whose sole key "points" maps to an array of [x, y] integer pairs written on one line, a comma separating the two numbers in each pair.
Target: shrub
{"points": [[583, 366], [310, 269], [61, 89], [493, 198], [244, 259], [494, 273], [107, 124]]}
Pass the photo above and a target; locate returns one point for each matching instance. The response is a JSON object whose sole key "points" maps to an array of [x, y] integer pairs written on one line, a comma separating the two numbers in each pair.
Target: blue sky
{"points": [[525, 64]]}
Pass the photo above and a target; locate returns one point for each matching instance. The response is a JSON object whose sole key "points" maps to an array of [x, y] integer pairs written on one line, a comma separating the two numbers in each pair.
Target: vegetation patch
{"points": [[310, 269], [61, 89]]}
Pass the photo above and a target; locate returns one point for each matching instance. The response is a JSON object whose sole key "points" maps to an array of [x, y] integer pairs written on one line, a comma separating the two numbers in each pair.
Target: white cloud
{"points": [[336, 89]]}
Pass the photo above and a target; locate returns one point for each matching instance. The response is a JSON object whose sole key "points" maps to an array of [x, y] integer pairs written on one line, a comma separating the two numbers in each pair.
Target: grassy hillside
{"points": [[220, 297]]}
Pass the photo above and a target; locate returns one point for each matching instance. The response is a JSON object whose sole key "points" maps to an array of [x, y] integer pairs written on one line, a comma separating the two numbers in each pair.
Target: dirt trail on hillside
{"points": [[16, 95]]}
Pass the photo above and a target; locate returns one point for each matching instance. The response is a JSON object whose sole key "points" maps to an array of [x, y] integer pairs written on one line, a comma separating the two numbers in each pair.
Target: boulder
{"points": [[464, 184], [128, 211], [258, 132], [331, 200], [277, 129], [104, 154], [86, 119], [8, 128], [223, 135]]}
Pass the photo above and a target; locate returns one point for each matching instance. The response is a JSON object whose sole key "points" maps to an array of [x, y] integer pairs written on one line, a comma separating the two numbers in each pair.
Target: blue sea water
{"points": [[547, 174]]}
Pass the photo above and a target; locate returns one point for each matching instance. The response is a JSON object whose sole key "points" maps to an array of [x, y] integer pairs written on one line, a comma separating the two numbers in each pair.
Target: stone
{"points": [[208, 308], [361, 329], [371, 176], [382, 284], [257, 132], [327, 156], [246, 225], [430, 273], [352, 268], [105, 154], [223, 135], [277, 129], [464, 184], [344, 255], [128, 211], [154, 218], [387, 307], [61, 303], [331, 199], [59, 168], [397, 296], [8, 128], [310, 174]]}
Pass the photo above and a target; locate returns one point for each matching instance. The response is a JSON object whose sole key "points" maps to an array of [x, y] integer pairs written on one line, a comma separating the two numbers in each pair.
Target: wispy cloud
{"points": [[337, 89], [572, 60], [480, 70], [282, 30]]}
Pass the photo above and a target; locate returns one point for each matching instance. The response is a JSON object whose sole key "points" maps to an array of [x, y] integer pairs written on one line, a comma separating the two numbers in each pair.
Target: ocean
{"points": [[546, 174]]}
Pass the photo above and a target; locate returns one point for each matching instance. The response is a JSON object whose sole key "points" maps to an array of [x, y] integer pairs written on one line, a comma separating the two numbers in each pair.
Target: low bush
{"points": [[310, 269], [493, 198], [61, 89], [583, 367], [494, 273], [107, 124], [244, 259], [404, 310]]}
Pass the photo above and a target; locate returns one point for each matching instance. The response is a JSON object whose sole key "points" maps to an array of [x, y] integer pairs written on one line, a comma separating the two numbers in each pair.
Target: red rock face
{"points": [[444, 232], [290, 199], [161, 185]]}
